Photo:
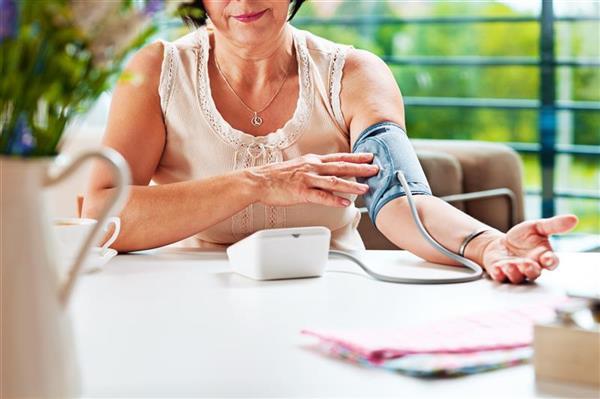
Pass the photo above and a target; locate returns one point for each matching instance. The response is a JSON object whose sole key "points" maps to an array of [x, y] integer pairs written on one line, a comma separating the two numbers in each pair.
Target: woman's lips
{"points": [[251, 17]]}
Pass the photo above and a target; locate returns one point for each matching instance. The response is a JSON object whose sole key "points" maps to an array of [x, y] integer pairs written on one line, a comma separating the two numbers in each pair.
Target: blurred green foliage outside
{"points": [[573, 40]]}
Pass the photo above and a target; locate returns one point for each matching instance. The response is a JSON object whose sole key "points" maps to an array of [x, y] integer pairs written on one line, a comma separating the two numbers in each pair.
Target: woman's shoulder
{"points": [[356, 61], [365, 64], [370, 92], [147, 62], [155, 66], [318, 44]]}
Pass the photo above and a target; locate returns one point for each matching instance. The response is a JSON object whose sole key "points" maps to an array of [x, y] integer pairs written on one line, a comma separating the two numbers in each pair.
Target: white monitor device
{"points": [[281, 253], [303, 252]]}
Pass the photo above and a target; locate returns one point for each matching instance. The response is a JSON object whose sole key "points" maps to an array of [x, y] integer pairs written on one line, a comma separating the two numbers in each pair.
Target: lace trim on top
{"points": [[167, 75], [251, 150], [335, 84], [282, 137]]}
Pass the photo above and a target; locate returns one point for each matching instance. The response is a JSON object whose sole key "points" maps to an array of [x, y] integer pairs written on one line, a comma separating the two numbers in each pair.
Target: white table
{"points": [[179, 323]]}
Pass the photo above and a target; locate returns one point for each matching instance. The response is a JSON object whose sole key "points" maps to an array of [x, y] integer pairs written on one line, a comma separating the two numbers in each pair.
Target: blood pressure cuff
{"points": [[392, 151]]}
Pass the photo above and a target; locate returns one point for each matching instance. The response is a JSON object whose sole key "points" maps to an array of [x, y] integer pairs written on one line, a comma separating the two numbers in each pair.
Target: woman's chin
{"points": [[256, 32], [253, 36]]}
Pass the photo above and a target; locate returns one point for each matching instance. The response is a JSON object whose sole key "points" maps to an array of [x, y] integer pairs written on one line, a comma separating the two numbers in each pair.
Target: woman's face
{"points": [[248, 22]]}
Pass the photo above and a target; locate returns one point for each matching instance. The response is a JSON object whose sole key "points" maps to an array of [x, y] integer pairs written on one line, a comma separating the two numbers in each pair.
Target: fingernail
{"points": [[345, 202], [549, 263], [507, 269]]}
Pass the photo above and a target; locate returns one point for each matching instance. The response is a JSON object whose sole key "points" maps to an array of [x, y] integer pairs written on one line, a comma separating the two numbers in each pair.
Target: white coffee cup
{"points": [[71, 233]]}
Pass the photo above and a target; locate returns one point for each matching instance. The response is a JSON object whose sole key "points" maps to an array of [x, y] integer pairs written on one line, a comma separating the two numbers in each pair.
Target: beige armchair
{"points": [[481, 178]]}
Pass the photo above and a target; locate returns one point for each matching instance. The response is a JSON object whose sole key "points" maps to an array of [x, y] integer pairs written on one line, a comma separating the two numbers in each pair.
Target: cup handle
{"points": [[116, 222], [63, 167]]}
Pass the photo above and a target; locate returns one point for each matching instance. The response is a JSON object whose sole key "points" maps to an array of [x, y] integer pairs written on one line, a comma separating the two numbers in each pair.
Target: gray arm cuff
{"points": [[392, 152]]}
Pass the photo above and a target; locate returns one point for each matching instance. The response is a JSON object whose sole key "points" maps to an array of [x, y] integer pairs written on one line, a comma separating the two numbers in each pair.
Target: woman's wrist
{"points": [[475, 249], [251, 185]]}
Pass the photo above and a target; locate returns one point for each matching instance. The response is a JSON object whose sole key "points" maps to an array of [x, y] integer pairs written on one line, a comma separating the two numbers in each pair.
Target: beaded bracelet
{"points": [[468, 239]]}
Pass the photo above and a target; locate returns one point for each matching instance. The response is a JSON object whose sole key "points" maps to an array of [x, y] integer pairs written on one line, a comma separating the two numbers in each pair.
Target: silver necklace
{"points": [[256, 119]]}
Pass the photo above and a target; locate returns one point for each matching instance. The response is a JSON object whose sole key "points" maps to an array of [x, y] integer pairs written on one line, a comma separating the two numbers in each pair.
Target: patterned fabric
{"points": [[437, 365], [465, 345]]}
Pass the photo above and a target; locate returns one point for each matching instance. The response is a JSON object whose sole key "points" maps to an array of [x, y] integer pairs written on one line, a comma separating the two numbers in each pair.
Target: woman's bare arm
{"points": [[159, 215], [383, 102], [519, 254], [156, 215]]}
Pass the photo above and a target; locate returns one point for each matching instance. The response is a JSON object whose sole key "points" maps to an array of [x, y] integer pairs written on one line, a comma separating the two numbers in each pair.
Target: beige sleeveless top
{"points": [[200, 143]]}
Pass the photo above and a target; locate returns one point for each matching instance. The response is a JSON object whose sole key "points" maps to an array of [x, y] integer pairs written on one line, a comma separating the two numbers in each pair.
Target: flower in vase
{"points": [[153, 6], [8, 19], [62, 55], [22, 141]]}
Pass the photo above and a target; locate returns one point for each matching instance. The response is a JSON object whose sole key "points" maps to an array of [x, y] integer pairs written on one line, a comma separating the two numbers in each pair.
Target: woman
{"points": [[228, 122]]}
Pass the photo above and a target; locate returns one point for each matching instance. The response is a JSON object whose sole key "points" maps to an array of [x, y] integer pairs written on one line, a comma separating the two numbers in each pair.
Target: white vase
{"points": [[38, 354]]}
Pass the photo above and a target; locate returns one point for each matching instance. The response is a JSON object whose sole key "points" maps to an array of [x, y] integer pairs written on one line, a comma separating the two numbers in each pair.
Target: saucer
{"points": [[97, 258]]}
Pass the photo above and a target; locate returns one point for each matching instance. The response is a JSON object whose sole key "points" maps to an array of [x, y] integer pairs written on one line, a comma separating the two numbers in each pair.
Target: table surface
{"points": [[176, 322]]}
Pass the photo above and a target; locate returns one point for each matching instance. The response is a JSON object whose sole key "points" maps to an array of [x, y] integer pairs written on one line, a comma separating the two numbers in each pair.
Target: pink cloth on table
{"points": [[500, 329]]}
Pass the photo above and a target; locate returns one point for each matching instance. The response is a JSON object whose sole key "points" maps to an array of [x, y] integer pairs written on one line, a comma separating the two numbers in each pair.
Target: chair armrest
{"points": [[485, 166]]}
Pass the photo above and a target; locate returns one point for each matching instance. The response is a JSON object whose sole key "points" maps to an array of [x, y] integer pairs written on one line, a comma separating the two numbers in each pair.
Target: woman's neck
{"points": [[267, 63]]}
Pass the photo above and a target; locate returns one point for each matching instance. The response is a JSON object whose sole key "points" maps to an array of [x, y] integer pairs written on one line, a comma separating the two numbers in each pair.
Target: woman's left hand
{"points": [[524, 251]]}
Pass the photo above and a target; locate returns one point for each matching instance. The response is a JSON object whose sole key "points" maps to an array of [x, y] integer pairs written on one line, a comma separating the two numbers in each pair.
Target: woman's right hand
{"points": [[314, 179]]}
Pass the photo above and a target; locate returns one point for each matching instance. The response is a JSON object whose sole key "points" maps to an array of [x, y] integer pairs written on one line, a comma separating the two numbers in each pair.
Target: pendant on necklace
{"points": [[256, 120]]}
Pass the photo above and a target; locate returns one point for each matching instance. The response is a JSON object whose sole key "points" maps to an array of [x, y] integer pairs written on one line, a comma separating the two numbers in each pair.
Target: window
{"points": [[522, 72]]}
